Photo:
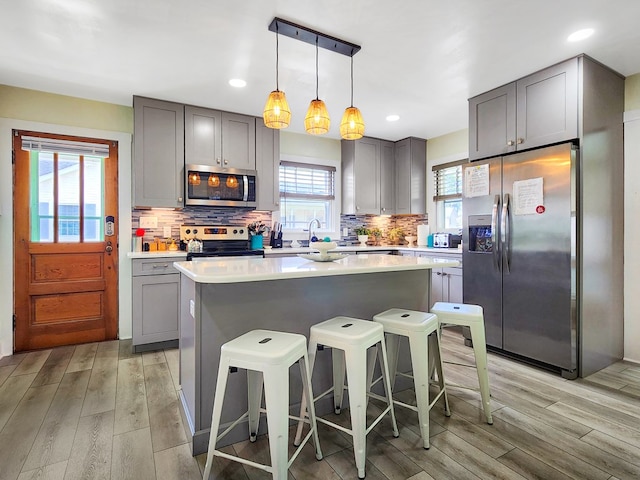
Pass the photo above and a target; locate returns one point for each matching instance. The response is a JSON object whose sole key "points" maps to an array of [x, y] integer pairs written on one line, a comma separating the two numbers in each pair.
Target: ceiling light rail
{"points": [[308, 35]]}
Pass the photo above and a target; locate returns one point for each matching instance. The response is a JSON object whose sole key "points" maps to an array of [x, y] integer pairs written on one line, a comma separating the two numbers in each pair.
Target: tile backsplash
{"points": [[240, 216]]}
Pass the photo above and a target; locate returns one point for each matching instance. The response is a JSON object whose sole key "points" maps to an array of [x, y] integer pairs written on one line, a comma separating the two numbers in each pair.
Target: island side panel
{"points": [[225, 311], [188, 365]]}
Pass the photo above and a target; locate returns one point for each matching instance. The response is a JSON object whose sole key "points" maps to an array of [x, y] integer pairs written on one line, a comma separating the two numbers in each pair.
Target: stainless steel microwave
{"points": [[219, 187]]}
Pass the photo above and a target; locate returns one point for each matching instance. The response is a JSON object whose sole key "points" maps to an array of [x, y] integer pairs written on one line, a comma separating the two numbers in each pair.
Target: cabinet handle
{"points": [[520, 141], [438, 273], [277, 203], [226, 162], [357, 207], [510, 143], [161, 266], [384, 209], [180, 199], [218, 161]]}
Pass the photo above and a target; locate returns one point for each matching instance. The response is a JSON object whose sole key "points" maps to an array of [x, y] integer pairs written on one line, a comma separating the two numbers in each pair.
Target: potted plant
{"points": [[395, 235], [363, 234], [376, 233]]}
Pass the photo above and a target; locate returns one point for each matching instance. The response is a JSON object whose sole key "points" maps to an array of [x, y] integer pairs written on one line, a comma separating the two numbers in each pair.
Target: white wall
{"points": [[6, 220], [631, 235]]}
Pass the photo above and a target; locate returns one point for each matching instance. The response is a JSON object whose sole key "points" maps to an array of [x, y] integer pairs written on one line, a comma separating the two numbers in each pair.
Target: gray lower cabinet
{"points": [[537, 110], [155, 304], [446, 283], [267, 166], [219, 139], [158, 153], [410, 181]]}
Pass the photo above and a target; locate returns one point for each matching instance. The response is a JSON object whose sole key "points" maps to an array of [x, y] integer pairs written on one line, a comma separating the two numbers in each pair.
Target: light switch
{"points": [[148, 222], [166, 231]]}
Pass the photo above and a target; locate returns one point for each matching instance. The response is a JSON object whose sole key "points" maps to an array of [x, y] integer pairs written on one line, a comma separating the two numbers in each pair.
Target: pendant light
{"points": [[276, 112], [352, 125], [317, 119]]}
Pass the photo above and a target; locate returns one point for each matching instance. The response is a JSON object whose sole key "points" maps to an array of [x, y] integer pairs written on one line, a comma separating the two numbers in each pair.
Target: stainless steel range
{"points": [[217, 241]]}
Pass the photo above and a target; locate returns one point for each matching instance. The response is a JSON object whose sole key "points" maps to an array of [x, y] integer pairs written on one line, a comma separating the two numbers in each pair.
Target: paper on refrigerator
{"points": [[528, 196], [476, 181]]}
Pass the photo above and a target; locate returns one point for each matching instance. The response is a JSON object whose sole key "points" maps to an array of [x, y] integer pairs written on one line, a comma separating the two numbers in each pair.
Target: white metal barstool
{"points": [[267, 356], [349, 339], [471, 316], [422, 330]]}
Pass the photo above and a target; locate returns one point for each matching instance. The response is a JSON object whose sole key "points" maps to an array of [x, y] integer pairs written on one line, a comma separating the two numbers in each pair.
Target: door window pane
{"points": [[68, 198], [42, 197], [93, 199]]}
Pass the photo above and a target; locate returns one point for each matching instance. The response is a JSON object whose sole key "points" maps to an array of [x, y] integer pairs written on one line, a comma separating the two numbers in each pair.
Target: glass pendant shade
{"points": [[276, 112], [352, 125], [317, 121], [194, 178], [214, 180], [232, 181]]}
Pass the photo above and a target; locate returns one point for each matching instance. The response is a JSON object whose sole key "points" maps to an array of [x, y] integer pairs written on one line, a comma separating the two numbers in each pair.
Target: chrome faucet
{"points": [[311, 232]]}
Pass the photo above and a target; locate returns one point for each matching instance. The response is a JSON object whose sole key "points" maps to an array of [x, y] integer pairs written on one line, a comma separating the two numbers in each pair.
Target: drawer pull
{"points": [[161, 266]]}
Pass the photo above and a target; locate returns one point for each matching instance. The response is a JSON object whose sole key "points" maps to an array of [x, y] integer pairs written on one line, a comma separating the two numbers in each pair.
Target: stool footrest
{"points": [[266, 468]]}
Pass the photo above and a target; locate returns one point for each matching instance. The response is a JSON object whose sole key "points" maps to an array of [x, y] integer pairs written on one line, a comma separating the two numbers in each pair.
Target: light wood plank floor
{"points": [[97, 411]]}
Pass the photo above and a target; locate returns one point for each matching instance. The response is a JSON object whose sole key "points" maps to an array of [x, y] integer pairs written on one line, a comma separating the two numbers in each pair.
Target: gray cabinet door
{"points": [[155, 308], [492, 122], [203, 142], [411, 164], [387, 178], [158, 153], [238, 141], [268, 166], [367, 176], [547, 106], [453, 279]]}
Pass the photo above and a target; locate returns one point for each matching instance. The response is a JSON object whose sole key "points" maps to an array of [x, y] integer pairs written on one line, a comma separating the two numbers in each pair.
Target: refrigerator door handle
{"points": [[505, 232], [494, 232]]}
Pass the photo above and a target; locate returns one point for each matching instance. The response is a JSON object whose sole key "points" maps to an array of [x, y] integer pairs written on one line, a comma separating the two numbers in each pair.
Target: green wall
{"points": [[632, 93], [36, 106]]}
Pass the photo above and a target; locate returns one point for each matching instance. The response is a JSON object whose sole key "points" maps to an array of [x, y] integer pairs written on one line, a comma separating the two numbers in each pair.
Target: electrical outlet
{"points": [[148, 222], [166, 231], [345, 232]]}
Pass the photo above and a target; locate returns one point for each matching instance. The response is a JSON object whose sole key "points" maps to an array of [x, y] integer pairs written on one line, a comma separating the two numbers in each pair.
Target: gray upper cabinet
{"points": [[387, 178], [411, 165], [361, 176], [537, 110], [158, 153], [268, 166], [222, 139]]}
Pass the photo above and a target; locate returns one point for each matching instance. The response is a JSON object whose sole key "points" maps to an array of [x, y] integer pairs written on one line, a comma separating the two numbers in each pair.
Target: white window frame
{"points": [[303, 234], [439, 203]]}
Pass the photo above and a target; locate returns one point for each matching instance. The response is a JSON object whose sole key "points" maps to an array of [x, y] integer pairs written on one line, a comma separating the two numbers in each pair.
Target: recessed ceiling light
{"points": [[393, 118], [237, 82], [580, 35]]}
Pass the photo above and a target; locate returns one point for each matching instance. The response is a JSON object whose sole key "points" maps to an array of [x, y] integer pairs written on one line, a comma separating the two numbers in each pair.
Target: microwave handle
{"points": [[245, 184]]}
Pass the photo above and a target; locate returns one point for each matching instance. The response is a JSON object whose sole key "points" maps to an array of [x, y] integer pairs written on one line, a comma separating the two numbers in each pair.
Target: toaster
{"points": [[446, 240]]}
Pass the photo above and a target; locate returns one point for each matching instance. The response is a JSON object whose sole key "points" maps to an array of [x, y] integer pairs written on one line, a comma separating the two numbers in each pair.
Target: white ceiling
{"points": [[420, 59]]}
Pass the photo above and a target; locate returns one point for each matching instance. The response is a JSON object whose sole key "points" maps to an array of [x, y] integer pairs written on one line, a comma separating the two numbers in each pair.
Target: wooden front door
{"points": [[65, 250]]}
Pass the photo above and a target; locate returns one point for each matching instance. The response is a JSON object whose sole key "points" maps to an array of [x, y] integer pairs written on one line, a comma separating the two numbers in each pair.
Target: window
{"points": [[307, 191], [448, 194]]}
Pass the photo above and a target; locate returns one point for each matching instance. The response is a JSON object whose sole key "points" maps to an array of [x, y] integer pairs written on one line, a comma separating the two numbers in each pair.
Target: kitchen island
{"points": [[222, 298]]}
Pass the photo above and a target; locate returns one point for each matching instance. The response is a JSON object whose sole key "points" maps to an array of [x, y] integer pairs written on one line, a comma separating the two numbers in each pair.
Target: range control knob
{"points": [[187, 231], [241, 230], [195, 230], [235, 230]]}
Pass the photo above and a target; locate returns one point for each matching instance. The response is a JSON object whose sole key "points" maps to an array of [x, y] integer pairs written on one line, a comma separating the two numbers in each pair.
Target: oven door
{"points": [[227, 187]]}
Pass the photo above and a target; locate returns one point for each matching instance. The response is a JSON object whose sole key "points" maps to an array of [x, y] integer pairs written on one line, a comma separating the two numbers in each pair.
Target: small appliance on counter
{"points": [[446, 240]]}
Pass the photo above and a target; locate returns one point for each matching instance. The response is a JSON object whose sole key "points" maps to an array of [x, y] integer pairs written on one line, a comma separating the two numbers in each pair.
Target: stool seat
{"points": [[348, 331], [267, 356], [350, 340], [471, 316], [399, 321], [265, 347], [421, 329]]}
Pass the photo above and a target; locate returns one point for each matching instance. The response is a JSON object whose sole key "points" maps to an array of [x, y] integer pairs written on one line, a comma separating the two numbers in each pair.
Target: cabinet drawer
{"points": [[154, 266]]}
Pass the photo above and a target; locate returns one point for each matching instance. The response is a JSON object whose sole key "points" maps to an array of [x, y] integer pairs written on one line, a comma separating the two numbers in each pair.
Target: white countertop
{"points": [[160, 254], [368, 248], [254, 269]]}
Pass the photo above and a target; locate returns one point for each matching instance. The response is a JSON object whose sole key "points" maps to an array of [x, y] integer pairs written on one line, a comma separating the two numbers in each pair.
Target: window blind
{"points": [[448, 180], [52, 145], [305, 181]]}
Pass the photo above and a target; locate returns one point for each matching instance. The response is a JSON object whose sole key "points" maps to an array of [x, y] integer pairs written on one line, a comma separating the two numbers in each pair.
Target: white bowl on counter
{"points": [[323, 247]]}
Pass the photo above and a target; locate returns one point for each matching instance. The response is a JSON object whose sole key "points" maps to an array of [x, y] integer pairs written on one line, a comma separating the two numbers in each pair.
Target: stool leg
{"points": [[313, 349], [480, 352], [337, 358], [393, 344], [305, 374], [356, 376], [436, 358], [221, 384], [387, 386], [276, 395], [420, 358], [254, 394]]}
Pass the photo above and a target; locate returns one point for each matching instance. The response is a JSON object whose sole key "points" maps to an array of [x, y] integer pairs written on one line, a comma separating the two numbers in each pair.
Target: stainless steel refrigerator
{"points": [[520, 252]]}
